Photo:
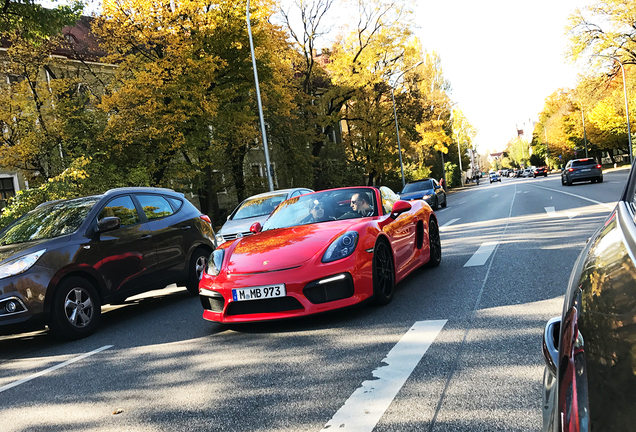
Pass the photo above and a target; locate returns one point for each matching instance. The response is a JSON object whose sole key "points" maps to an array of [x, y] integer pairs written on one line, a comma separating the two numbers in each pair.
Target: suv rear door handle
{"points": [[187, 227], [145, 237]]}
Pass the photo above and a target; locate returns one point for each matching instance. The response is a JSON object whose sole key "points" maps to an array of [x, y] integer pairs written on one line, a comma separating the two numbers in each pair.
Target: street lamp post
{"points": [[397, 128], [584, 133], [258, 98], [629, 131], [461, 171]]}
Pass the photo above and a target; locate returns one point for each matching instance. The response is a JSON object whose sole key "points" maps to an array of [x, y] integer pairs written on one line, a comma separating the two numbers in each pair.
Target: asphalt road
{"points": [[458, 349]]}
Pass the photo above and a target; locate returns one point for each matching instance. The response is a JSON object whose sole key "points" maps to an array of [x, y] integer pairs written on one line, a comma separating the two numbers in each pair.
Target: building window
{"points": [[7, 190], [257, 170]]}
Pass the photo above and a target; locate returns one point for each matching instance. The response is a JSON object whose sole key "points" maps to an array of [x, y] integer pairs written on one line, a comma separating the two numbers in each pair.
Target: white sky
{"points": [[502, 58]]}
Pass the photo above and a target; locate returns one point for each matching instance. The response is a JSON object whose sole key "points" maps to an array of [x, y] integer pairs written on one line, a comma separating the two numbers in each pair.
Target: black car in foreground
{"points": [[63, 260], [578, 170], [590, 350]]}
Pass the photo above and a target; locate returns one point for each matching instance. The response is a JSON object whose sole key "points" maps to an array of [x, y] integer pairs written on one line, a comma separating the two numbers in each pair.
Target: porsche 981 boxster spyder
{"points": [[318, 252]]}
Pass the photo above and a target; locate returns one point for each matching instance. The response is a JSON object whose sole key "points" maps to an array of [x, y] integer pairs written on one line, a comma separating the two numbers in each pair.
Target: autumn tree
{"points": [[44, 111], [435, 127], [35, 23], [183, 104]]}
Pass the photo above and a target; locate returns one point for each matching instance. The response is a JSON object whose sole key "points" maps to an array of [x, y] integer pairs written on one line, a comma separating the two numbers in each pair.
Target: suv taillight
{"points": [[206, 218], [598, 166]]}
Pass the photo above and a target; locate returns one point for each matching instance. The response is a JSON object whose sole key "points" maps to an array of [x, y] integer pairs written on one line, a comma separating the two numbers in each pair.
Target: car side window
{"points": [[176, 203], [123, 208], [388, 199], [155, 206]]}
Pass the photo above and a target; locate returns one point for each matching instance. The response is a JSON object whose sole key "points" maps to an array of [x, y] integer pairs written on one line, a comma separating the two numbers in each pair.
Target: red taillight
{"points": [[206, 218], [571, 169], [598, 166]]}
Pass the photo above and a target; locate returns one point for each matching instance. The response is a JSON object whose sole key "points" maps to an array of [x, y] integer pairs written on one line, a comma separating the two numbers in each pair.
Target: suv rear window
{"points": [[583, 162]]}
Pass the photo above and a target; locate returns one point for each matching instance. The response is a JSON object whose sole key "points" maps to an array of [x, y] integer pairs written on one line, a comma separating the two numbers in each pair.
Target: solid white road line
{"points": [[550, 211], [450, 222], [481, 256], [363, 410], [51, 369]]}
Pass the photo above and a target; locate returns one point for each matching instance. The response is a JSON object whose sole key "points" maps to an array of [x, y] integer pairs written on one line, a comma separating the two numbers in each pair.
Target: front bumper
{"points": [[22, 299], [310, 290]]}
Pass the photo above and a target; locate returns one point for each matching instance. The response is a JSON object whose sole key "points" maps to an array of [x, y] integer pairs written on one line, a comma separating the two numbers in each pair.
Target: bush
{"points": [[69, 184], [453, 175]]}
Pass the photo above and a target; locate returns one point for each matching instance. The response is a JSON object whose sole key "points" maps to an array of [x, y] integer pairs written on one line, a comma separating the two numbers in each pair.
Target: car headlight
{"points": [[426, 197], [219, 240], [341, 247], [20, 265], [215, 262]]}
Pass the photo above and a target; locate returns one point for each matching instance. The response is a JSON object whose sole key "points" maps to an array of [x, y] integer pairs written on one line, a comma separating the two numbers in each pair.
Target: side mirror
{"points": [[399, 207], [256, 228], [108, 224]]}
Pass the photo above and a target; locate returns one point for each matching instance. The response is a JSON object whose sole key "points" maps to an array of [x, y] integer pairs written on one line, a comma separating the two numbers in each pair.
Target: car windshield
{"points": [[330, 205], [258, 206], [414, 187], [53, 220]]}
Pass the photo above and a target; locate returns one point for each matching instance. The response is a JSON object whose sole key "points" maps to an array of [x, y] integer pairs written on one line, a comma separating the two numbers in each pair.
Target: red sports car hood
{"points": [[282, 248]]}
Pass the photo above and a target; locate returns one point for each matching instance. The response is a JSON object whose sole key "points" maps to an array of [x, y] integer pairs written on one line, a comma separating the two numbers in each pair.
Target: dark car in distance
{"points": [[578, 170], [540, 171], [61, 261], [590, 349], [427, 189]]}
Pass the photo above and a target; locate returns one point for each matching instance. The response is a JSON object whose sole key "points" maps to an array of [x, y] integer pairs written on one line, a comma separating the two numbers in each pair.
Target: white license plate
{"points": [[258, 293], [587, 169]]}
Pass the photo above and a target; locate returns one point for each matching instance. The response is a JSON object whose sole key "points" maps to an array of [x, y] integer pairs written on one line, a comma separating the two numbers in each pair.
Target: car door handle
{"points": [[187, 227], [145, 237]]}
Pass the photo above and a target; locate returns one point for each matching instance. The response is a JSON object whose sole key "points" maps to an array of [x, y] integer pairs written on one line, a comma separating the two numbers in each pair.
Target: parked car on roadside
{"points": [[254, 209], [427, 189], [590, 349], [577, 170], [61, 261]]}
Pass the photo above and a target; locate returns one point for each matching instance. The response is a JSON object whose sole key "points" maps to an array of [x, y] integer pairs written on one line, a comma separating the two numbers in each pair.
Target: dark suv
{"points": [[60, 262], [578, 170], [590, 349]]}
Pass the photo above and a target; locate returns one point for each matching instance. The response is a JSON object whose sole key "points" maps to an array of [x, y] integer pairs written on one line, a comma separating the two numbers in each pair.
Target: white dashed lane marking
{"points": [[481, 256], [450, 222], [51, 369], [363, 410]]}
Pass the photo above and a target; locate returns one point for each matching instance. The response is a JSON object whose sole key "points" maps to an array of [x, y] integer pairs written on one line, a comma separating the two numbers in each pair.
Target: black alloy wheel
{"points": [[435, 203], [435, 244], [76, 309], [562, 181], [383, 273], [445, 201], [198, 263], [599, 180]]}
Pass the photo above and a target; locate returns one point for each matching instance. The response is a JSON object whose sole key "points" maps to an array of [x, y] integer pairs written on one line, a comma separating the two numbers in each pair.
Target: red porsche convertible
{"points": [[318, 252]]}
